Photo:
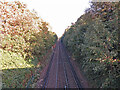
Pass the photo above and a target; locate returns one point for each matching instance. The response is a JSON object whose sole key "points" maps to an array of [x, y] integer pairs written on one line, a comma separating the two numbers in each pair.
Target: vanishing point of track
{"points": [[60, 73]]}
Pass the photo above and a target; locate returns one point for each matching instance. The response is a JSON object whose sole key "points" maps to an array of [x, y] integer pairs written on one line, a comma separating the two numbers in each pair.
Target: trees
{"points": [[93, 41], [24, 40], [22, 31]]}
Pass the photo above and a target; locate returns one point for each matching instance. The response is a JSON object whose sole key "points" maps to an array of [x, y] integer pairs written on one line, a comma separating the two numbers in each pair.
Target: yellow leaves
{"points": [[103, 9], [24, 28], [109, 39]]}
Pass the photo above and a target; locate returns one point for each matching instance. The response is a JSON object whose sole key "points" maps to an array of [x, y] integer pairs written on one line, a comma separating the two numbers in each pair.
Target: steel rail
{"points": [[48, 70], [57, 67], [73, 71], [65, 71]]}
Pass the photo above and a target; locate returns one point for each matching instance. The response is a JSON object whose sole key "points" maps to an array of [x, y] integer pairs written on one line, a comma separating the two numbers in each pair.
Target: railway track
{"points": [[76, 79], [66, 85], [60, 73], [48, 71]]}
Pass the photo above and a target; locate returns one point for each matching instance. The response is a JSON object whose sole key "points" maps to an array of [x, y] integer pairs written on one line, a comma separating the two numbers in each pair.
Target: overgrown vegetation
{"points": [[24, 41], [93, 42]]}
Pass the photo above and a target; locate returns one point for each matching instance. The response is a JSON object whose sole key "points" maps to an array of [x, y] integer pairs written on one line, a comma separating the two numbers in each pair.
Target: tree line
{"points": [[93, 41]]}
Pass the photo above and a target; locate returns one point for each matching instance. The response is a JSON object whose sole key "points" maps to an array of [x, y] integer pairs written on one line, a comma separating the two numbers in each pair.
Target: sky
{"points": [[58, 13]]}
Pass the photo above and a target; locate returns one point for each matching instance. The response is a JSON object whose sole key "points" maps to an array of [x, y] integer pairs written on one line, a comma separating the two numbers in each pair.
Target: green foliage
{"points": [[24, 40], [93, 42], [24, 33], [14, 69]]}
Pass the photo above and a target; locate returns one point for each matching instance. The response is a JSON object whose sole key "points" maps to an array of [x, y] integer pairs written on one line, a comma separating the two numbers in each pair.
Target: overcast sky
{"points": [[59, 13]]}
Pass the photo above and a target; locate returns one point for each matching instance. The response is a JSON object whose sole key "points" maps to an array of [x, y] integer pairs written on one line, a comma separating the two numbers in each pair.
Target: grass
{"points": [[16, 72], [12, 60]]}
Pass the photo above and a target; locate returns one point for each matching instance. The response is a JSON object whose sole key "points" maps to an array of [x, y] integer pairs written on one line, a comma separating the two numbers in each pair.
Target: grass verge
{"points": [[16, 72]]}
